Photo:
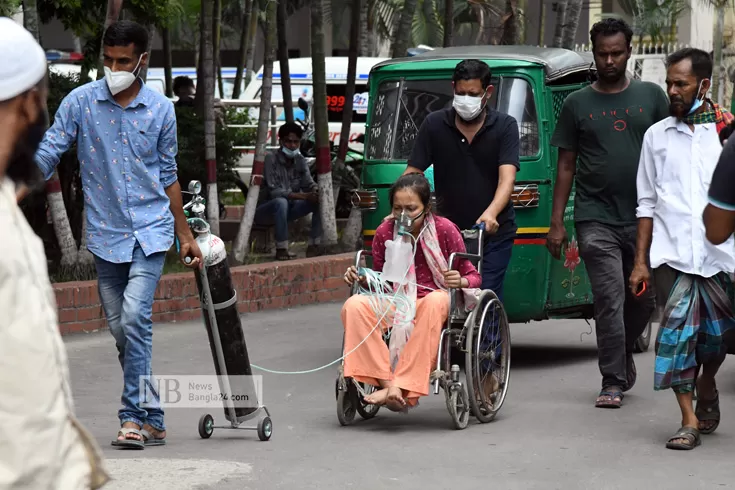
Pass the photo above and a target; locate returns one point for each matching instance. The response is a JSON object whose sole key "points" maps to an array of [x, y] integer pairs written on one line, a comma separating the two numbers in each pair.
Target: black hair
{"points": [[609, 27], [182, 82], [418, 183], [473, 70], [701, 61], [290, 128], [126, 32]]}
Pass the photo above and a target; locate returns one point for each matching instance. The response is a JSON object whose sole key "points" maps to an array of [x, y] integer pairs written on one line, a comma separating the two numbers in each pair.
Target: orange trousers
{"points": [[371, 361]]}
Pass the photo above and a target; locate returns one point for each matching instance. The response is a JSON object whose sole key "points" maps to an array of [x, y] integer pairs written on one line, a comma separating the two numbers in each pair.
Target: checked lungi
{"points": [[698, 312]]}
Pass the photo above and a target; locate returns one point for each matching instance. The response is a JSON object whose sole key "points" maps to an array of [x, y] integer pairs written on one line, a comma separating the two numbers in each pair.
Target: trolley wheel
{"points": [[347, 404], [265, 429], [366, 410], [459, 409], [206, 426], [487, 358], [644, 341]]}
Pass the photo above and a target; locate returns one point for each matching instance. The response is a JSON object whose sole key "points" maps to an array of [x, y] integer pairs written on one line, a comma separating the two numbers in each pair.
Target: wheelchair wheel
{"points": [[456, 396], [487, 358], [346, 403], [365, 410]]}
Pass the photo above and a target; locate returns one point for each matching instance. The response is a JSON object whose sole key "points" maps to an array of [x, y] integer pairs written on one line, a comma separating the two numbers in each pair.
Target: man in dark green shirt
{"points": [[599, 135]]}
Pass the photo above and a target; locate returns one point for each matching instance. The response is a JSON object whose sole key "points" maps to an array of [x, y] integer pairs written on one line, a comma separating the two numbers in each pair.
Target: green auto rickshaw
{"points": [[531, 84]]}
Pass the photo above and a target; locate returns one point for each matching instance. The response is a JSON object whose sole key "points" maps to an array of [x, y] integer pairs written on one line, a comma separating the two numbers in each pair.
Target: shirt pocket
{"points": [[144, 146]]}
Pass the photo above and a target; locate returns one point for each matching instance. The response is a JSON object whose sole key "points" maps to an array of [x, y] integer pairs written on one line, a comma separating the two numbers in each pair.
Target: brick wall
{"points": [[259, 287]]}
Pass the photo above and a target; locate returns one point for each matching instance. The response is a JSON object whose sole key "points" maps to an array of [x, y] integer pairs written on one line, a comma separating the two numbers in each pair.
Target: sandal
{"points": [[609, 398], [128, 443], [708, 411], [284, 254], [690, 434], [150, 440]]}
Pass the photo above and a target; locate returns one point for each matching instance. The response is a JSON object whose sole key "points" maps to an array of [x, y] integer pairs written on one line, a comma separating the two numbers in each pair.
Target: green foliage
{"points": [[8, 8], [191, 146]]}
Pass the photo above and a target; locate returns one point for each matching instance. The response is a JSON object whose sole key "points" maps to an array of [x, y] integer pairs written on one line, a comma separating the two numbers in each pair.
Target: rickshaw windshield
{"points": [[401, 107]]}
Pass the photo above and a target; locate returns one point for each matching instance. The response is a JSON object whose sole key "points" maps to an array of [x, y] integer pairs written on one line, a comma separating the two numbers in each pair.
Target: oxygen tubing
{"points": [[372, 277]]}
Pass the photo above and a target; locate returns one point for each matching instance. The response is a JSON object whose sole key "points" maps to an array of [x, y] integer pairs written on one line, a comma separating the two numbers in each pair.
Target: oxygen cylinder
{"points": [[231, 337]]}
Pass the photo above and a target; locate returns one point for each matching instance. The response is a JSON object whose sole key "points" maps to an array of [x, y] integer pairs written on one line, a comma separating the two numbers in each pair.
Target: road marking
{"points": [[172, 474]]}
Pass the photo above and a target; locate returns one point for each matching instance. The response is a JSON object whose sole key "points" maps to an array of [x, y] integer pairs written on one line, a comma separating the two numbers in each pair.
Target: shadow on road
{"points": [[536, 356]]}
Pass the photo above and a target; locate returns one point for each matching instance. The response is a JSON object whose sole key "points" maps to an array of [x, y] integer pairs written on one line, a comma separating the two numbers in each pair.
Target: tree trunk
{"points": [[216, 44], [30, 18], [321, 126], [354, 224], [571, 21], [481, 23], [253, 33], [402, 37], [561, 13], [168, 62], [240, 245], [54, 196], [114, 7], [242, 54], [511, 33], [144, 70], [206, 88], [365, 49], [719, 73], [448, 23], [283, 61], [542, 23]]}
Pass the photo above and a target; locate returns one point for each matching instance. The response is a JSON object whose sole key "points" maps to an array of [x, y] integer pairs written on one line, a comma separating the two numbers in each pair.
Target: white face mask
{"points": [[467, 106], [121, 80]]}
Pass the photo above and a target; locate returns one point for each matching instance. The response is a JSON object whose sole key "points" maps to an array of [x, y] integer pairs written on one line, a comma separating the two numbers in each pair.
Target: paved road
{"points": [[547, 436]]}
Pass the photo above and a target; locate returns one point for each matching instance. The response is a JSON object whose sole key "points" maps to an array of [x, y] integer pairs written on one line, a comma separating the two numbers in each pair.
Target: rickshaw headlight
{"points": [[525, 196]]}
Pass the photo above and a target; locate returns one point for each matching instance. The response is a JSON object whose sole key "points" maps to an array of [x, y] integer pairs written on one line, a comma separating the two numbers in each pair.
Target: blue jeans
{"points": [[280, 211], [126, 291], [495, 259]]}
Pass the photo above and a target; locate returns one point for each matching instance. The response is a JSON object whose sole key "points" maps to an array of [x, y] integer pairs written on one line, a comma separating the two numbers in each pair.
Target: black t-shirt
{"points": [[466, 175], [721, 190]]}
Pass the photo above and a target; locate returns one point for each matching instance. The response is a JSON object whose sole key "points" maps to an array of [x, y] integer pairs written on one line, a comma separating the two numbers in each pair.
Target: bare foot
{"points": [[395, 401], [377, 398]]}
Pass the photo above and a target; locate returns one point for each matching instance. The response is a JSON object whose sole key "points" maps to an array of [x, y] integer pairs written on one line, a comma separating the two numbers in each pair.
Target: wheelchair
{"points": [[481, 337]]}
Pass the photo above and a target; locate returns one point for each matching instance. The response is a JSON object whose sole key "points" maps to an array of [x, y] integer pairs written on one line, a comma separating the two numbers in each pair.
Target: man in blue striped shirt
{"points": [[125, 135]]}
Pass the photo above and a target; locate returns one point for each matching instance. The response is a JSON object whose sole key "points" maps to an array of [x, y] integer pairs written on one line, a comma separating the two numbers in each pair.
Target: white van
{"points": [[156, 78], [336, 74]]}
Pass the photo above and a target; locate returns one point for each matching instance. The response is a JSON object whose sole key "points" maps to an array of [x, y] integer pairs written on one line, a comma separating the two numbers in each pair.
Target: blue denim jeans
{"points": [[280, 211], [495, 259], [126, 291]]}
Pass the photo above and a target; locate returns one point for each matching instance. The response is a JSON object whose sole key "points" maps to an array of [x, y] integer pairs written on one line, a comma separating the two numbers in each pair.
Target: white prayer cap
{"points": [[22, 60]]}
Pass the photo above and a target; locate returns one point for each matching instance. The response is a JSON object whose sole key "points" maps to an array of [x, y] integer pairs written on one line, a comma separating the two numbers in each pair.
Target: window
{"points": [[517, 100], [392, 138]]}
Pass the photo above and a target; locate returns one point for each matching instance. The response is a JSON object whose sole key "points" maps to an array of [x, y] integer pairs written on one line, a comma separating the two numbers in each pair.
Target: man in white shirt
{"points": [[691, 275], [44, 446]]}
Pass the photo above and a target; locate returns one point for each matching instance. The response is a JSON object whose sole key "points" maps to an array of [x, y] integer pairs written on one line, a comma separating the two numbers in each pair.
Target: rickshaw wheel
{"points": [[644, 341], [487, 345]]}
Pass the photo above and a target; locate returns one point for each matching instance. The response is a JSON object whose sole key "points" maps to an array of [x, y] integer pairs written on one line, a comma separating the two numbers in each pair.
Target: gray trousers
{"points": [[620, 317]]}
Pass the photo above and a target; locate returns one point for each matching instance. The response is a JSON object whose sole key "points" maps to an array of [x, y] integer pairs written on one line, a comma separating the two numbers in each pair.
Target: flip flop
{"points": [[150, 440], [708, 410], [128, 443], [613, 394], [690, 434]]}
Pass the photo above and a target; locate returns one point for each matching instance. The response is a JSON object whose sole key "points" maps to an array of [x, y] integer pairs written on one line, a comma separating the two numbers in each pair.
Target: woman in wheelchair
{"points": [[402, 371]]}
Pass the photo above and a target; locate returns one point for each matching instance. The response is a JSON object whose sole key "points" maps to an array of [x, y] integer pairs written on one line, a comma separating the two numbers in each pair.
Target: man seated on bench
{"points": [[289, 193]]}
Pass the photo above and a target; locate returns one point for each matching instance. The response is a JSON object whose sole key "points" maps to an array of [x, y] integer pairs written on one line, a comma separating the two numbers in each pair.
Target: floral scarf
{"points": [[401, 329]]}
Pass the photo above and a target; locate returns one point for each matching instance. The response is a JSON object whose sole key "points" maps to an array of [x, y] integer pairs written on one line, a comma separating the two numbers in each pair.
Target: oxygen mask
{"points": [[405, 222]]}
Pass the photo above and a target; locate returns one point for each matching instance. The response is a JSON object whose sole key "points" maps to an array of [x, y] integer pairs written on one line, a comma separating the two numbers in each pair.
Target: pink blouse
{"points": [[450, 241]]}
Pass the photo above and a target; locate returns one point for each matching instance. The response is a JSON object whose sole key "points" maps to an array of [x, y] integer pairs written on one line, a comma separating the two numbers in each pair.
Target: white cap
{"points": [[22, 60]]}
